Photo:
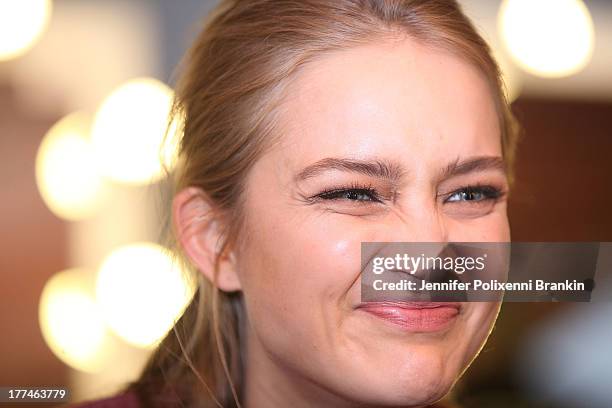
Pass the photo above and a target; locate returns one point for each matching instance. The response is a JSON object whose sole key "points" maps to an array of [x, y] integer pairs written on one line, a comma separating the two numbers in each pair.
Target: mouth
{"points": [[420, 317]]}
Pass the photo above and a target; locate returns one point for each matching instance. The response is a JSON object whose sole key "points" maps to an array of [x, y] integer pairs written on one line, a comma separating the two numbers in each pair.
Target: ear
{"points": [[198, 232]]}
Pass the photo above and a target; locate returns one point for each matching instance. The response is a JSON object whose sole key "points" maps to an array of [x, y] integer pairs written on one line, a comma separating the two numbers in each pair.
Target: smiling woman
{"points": [[312, 126]]}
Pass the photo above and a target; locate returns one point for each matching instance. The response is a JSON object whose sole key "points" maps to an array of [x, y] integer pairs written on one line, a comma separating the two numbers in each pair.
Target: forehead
{"points": [[387, 98]]}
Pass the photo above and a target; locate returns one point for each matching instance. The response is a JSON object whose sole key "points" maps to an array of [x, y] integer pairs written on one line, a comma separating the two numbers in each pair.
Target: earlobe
{"points": [[198, 231]]}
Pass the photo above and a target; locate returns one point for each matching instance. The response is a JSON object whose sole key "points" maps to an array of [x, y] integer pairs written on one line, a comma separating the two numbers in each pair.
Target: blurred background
{"points": [[87, 286]]}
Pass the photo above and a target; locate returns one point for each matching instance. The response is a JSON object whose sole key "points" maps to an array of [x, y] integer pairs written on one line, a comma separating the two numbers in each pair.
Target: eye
{"points": [[356, 194], [474, 194]]}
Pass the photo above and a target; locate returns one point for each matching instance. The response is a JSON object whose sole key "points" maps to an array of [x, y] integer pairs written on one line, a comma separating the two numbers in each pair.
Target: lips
{"points": [[414, 316]]}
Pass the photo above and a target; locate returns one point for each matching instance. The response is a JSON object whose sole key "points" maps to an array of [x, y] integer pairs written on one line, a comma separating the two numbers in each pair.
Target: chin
{"points": [[406, 376], [425, 380], [413, 392]]}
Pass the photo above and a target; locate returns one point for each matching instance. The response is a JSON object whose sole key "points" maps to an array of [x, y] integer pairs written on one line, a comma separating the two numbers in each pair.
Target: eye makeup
{"points": [[359, 193], [473, 193], [468, 201], [472, 200], [353, 198]]}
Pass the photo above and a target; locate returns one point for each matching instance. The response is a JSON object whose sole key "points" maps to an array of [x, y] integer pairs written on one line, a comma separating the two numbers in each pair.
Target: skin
{"points": [[393, 101]]}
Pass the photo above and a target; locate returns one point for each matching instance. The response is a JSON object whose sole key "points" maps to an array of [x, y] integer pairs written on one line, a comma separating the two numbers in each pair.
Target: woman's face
{"points": [[376, 144]]}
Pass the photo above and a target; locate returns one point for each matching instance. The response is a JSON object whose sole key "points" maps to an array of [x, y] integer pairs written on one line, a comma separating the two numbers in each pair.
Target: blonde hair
{"points": [[231, 86]]}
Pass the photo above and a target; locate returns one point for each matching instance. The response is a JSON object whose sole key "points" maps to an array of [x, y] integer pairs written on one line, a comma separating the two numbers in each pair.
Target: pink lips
{"points": [[414, 316]]}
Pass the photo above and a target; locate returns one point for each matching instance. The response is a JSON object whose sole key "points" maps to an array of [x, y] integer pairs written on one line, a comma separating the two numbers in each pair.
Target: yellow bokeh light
{"points": [[71, 323], [128, 132], [548, 38], [66, 174], [141, 292], [21, 24]]}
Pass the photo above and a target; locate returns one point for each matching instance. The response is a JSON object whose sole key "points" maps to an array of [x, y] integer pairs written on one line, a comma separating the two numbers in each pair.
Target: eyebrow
{"points": [[394, 172], [473, 164], [382, 169]]}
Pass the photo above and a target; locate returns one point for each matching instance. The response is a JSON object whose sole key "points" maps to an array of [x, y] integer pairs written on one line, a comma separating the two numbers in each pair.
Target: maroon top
{"points": [[125, 400]]}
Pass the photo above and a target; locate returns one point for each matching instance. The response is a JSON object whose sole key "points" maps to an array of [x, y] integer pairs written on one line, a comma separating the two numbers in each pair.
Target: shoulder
{"points": [[125, 400]]}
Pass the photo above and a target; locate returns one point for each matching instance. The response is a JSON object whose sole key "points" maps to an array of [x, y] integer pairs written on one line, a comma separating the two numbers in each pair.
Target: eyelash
{"points": [[359, 189], [488, 192]]}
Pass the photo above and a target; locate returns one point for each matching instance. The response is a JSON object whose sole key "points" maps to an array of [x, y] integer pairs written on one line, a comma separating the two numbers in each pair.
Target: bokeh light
{"points": [[129, 129], [548, 38], [66, 174], [70, 321], [141, 292], [22, 22]]}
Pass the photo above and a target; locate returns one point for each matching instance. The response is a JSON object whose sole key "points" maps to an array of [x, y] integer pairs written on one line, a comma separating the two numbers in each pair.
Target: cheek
{"points": [[480, 322], [493, 227], [464, 345], [293, 271]]}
